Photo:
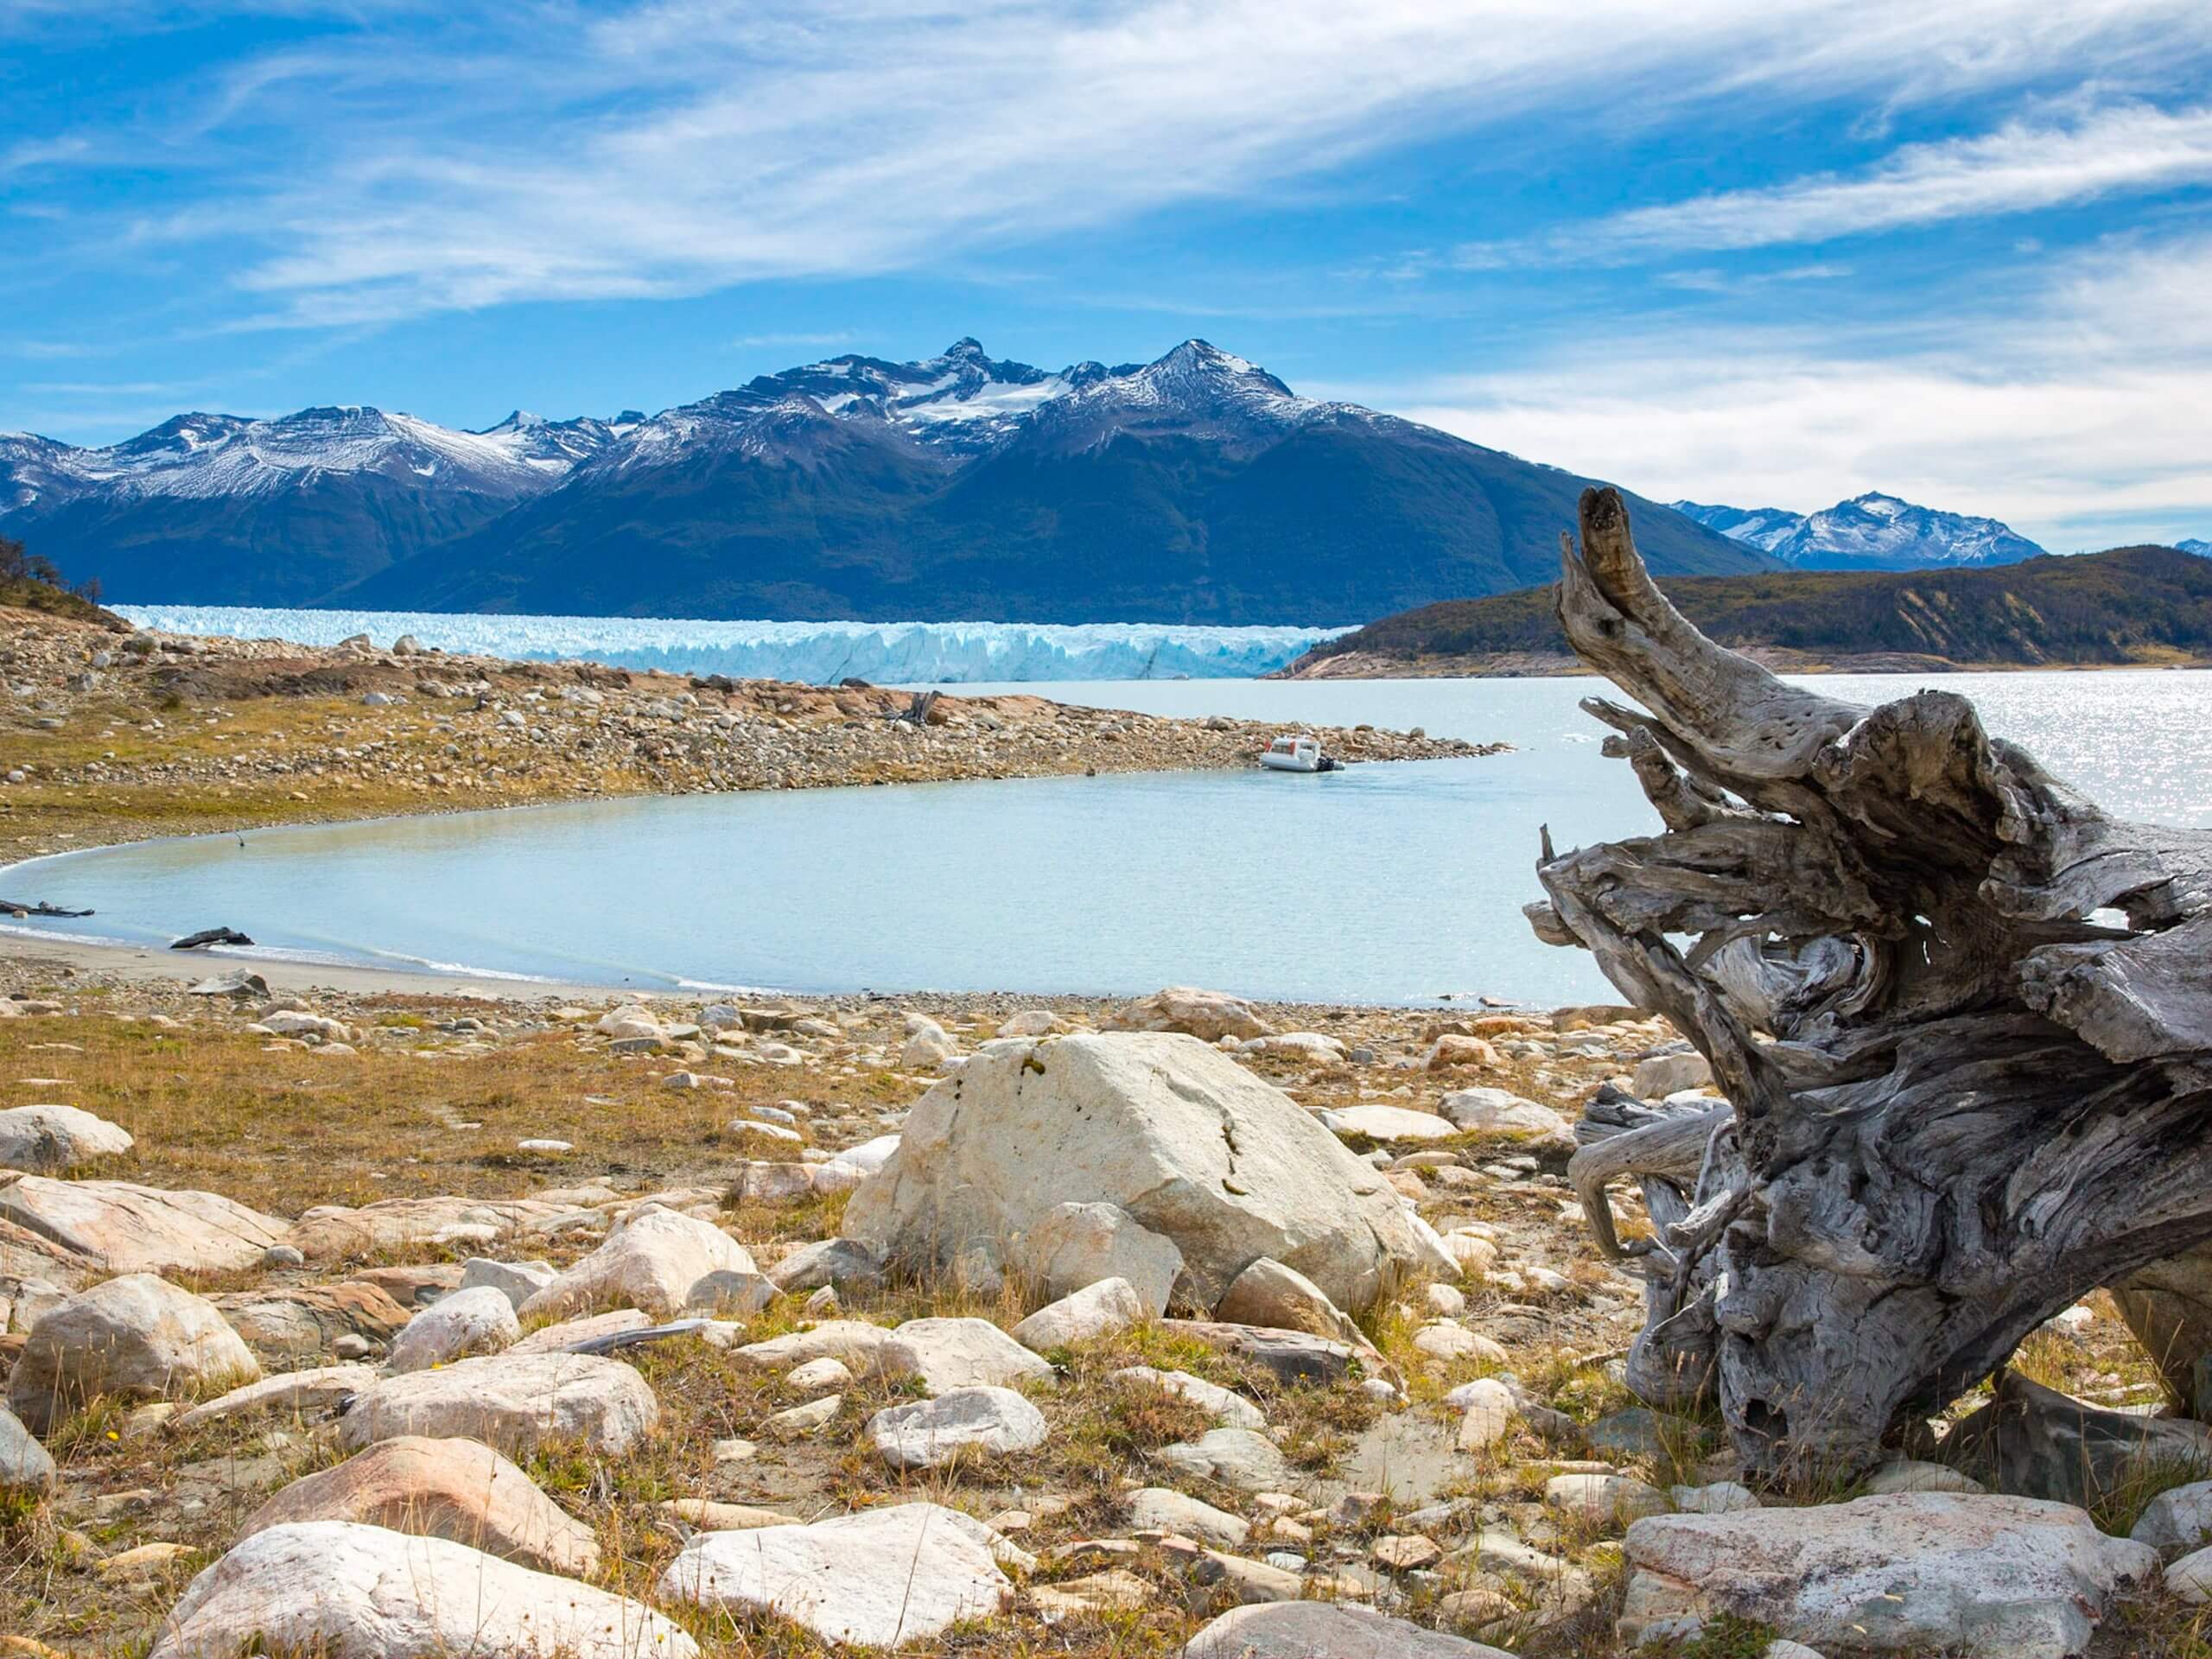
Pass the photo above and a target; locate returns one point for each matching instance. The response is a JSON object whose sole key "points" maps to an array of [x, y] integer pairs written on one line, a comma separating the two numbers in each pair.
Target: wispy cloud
{"points": [[840, 337], [2073, 415], [675, 147], [2018, 167]]}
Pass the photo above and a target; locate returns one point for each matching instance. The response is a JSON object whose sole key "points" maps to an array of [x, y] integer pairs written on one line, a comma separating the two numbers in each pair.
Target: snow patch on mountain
{"points": [[819, 653], [1872, 532], [2202, 548]]}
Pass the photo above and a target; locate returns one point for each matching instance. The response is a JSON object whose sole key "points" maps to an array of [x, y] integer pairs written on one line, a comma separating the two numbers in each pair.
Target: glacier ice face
{"points": [[820, 653]]}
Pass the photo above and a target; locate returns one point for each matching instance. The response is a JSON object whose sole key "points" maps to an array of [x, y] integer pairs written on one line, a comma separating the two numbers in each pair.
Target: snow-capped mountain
{"points": [[1868, 532], [2194, 544], [1198, 487]]}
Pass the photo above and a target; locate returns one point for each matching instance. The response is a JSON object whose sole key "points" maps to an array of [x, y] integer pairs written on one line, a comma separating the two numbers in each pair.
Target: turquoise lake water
{"points": [[1394, 884]]}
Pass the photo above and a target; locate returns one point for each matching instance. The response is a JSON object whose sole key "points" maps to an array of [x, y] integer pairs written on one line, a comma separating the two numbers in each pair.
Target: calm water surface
{"points": [[1382, 884]]}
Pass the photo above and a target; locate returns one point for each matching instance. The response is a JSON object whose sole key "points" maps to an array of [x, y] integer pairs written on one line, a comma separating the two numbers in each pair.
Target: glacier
{"points": [[817, 653]]}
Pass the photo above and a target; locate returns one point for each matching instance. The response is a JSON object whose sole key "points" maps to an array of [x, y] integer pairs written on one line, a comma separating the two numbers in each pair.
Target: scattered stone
{"points": [[325, 1389], [287, 1326], [1494, 1109], [1605, 1500], [1116, 1590], [339, 1588], [1270, 1294], [1097, 1310], [831, 1577], [1449, 1344], [1908, 1476], [1405, 1553], [799, 1421], [1721, 1497], [578, 1335], [2177, 1519], [958, 1353], [1453, 1050], [1293, 1356], [1236, 1456], [475, 1321], [510, 1401], [518, 1280], [1208, 1015], [25, 1467], [1228, 1408], [933, 1432], [1935, 1570], [1488, 1408], [453, 1489], [51, 1139], [855, 1342], [1392, 1123], [2190, 1578], [1317, 1629], [844, 1264], [1163, 1508], [818, 1377], [137, 1337], [1669, 1074], [651, 1262]]}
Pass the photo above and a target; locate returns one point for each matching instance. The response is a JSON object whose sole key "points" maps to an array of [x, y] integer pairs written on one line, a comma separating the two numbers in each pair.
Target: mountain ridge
{"points": [[1197, 488], [2135, 605], [1872, 532]]}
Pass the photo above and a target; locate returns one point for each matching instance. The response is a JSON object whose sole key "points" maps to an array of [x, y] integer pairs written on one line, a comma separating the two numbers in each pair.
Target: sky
{"points": [[1767, 254]]}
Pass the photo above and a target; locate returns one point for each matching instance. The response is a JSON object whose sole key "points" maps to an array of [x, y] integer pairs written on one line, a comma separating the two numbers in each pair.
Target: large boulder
{"points": [[121, 1227], [1207, 1015], [873, 1580], [55, 1138], [454, 1489], [511, 1401], [139, 1337], [1182, 1138], [478, 1320], [1317, 1629], [1917, 1571], [355, 1591], [651, 1262]]}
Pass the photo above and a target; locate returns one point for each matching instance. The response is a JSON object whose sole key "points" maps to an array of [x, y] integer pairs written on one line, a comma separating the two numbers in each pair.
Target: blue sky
{"points": [[1766, 254]]}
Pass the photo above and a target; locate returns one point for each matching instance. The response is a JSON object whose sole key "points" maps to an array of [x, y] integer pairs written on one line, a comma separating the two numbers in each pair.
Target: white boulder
{"points": [[1184, 1139], [651, 1262], [1096, 1310], [510, 1401], [344, 1589], [873, 1580], [139, 1337], [958, 1353], [480, 1320], [55, 1137], [2011, 1576], [1493, 1110], [932, 1432]]}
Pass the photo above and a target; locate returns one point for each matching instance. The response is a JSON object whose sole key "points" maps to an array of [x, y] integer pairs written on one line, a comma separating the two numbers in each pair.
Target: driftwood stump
{"points": [[1963, 1020]]}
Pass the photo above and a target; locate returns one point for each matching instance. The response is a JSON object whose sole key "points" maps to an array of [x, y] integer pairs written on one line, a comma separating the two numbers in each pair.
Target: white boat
{"points": [[1299, 753]]}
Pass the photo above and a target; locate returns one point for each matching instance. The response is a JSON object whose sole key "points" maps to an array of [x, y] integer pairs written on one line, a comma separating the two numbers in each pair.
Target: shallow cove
{"points": [[1380, 884]]}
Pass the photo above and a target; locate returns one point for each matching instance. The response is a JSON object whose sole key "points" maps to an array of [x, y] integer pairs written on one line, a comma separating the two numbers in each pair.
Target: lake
{"points": [[1389, 884]]}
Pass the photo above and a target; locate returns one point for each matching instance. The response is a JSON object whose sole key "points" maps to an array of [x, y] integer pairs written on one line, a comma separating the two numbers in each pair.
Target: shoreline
{"points": [[167, 737], [1529, 665]]}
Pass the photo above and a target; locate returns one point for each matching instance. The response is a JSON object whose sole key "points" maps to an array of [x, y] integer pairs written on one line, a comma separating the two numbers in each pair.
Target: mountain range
{"points": [[1868, 532], [1198, 487]]}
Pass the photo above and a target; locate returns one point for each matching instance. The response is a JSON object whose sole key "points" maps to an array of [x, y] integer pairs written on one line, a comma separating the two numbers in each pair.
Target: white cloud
{"points": [[2016, 169], [681, 146], [2084, 419]]}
